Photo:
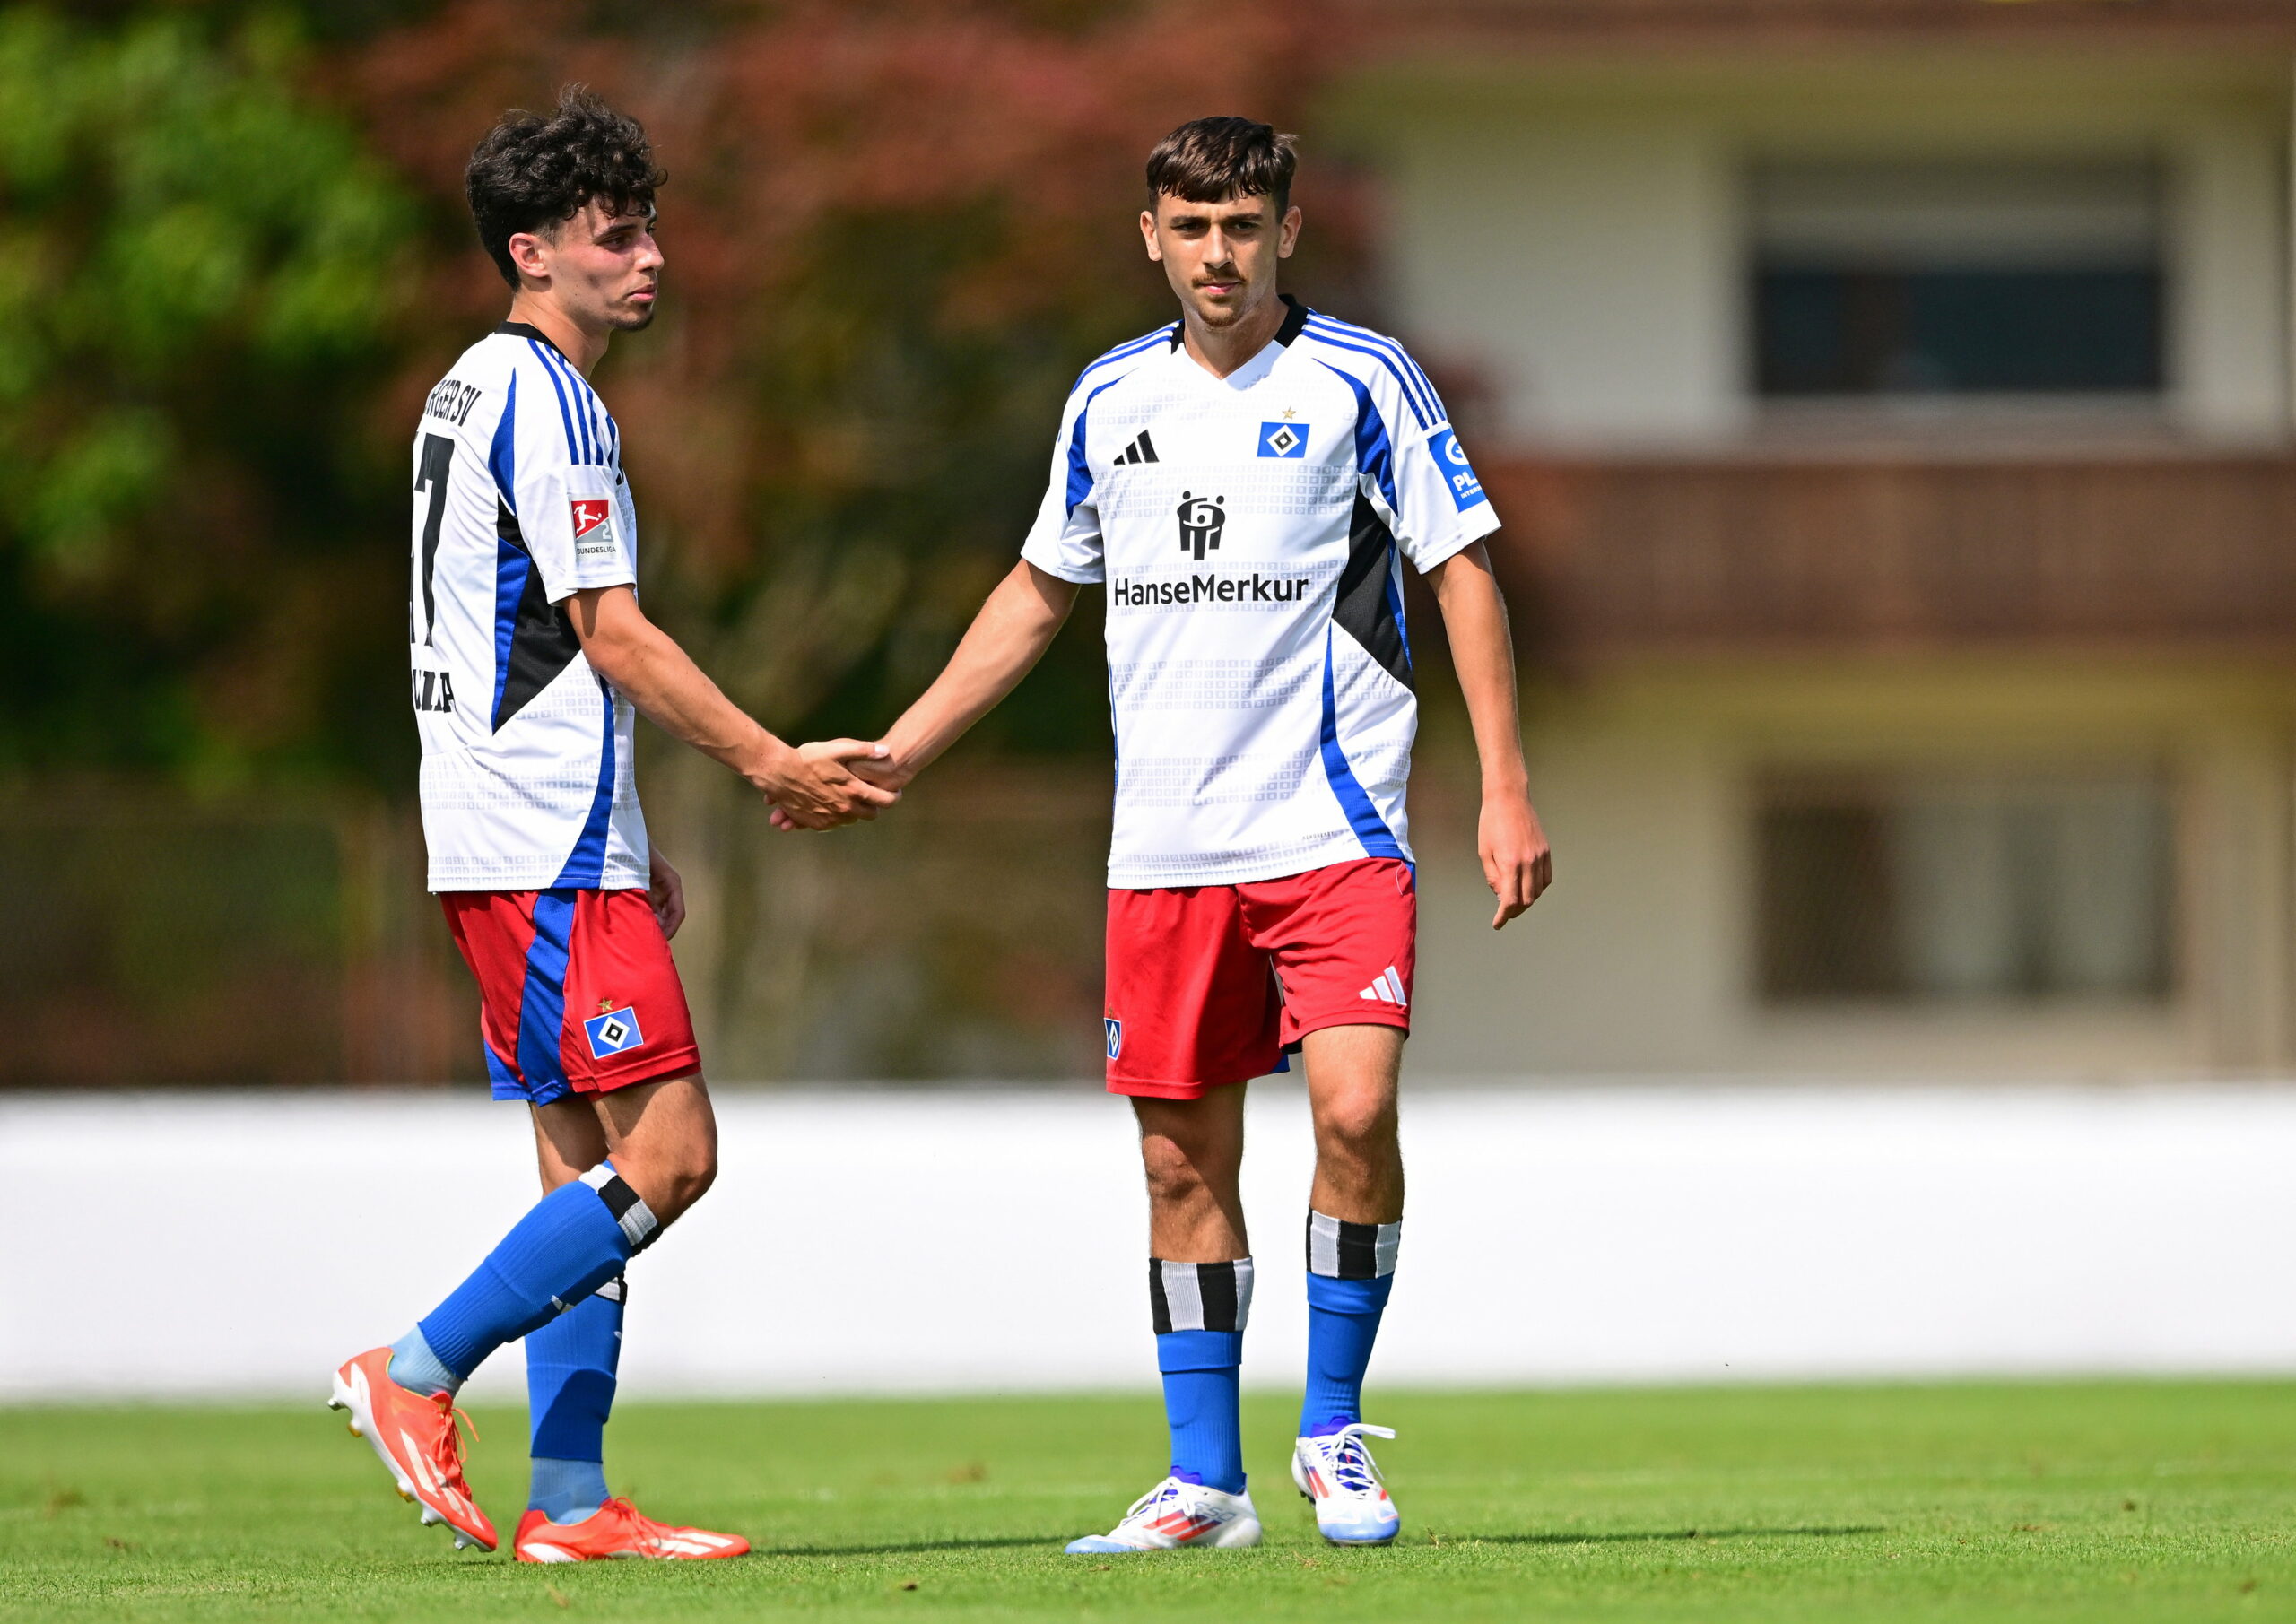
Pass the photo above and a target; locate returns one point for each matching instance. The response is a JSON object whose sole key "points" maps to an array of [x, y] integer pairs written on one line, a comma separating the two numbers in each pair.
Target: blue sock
{"points": [[1200, 1312], [417, 1370], [1351, 1268], [570, 1366], [570, 1243]]}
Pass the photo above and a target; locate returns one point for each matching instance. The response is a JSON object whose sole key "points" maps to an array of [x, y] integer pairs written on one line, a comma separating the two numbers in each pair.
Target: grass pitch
{"points": [[2081, 1501]]}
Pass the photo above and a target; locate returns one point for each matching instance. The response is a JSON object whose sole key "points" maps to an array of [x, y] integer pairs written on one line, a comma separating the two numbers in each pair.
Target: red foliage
{"points": [[775, 122]]}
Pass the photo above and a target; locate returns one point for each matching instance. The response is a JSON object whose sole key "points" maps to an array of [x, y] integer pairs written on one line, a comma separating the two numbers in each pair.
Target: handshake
{"points": [[828, 784]]}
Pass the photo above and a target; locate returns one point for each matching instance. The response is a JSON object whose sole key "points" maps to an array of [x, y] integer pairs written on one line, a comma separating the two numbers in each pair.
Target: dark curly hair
{"points": [[1212, 159], [532, 173]]}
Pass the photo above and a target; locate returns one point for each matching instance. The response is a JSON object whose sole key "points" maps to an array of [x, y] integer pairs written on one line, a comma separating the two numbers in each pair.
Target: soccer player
{"points": [[529, 654], [1246, 482]]}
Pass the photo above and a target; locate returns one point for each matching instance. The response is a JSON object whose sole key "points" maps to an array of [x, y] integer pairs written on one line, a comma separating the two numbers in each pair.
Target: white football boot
{"points": [[1176, 1513], [1337, 1474]]}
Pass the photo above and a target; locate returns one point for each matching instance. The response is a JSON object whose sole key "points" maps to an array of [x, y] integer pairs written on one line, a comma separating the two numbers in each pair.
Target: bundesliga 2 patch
{"points": [[592, 523], [1283, 439], [1116, 1038], [614, 1032], [1467, 489]]}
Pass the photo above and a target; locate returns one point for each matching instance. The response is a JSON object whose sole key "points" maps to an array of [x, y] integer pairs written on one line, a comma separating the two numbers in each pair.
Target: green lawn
{"points": [[2076, 1501]]}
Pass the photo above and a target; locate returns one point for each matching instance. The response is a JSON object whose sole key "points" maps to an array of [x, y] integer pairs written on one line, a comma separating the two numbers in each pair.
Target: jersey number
{"points": [[438, 456]]}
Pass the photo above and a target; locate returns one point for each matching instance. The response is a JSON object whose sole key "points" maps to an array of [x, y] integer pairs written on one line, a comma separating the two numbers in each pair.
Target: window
{"points": [[1924, 888], [1962, 277]]}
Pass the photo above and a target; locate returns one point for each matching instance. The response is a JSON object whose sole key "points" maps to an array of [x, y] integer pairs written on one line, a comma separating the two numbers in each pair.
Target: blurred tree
{"points": [[896, 230], [199, 272]]}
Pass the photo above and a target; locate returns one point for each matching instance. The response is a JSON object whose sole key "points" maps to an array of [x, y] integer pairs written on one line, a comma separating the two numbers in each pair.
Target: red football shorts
{"points": [[1209, 985], [578, 993]]}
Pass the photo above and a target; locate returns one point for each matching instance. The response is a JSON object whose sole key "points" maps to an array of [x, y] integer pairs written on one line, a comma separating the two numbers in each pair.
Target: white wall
{"points": [[237, 1247], [1573, 230]]}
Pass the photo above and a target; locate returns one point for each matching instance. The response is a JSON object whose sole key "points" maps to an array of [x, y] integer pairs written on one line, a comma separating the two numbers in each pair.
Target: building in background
{"points": [[1889, 400]]}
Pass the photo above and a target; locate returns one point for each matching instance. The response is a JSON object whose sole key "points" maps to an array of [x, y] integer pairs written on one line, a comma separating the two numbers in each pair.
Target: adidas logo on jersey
{"points": [[1142, 450], [1386, 989]]}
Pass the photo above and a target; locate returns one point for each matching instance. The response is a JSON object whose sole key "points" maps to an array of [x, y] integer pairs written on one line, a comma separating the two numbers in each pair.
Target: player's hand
{"points": [[1516, 863], [813, 786], [883, 770], [665, 891]]}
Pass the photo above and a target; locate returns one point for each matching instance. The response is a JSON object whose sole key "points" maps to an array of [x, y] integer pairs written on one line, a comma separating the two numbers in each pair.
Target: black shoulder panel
{"points": [[1361, 610], [542, 637]]}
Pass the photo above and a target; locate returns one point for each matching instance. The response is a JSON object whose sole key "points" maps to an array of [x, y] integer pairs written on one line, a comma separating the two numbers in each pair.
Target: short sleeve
{"points": [[566, 504], [1066, 539], [1440, 504]]}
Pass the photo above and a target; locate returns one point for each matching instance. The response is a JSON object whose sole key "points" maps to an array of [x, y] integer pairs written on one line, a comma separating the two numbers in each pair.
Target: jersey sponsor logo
{"points": [[1467, 489], [615, 1032], [434, 691], [1283, 439], [1202, 519], [1115, 1036], [451, 402], [1188, 590]]}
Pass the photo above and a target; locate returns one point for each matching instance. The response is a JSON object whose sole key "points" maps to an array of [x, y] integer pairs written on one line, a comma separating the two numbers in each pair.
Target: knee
{"points": [[1174, 1173], [669, 1185], [1358, 1124]]}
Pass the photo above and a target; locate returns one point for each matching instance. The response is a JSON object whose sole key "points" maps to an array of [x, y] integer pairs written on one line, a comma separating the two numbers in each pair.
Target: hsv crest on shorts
{"points": [[614, 1032], [1116, 1038]]}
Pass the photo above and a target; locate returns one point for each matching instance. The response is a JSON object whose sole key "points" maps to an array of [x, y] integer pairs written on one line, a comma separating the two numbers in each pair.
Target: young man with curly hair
{"points": [[530, 656]]}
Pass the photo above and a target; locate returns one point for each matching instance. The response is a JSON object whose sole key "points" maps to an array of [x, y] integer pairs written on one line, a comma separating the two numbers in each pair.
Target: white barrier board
{"points": [[239, 1245]]}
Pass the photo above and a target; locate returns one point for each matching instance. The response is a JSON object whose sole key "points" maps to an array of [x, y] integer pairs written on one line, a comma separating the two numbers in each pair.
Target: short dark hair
{"points": [[533, 173], [1209, 160]]}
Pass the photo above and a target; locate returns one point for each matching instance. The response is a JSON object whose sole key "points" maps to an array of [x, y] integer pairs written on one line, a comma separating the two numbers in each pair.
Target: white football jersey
{"points": [[1250, 531], [519, 502]]}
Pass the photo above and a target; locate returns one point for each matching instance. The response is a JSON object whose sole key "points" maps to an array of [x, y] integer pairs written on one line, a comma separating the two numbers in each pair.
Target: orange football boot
{"points": [[619, 1532], [419, 1443]]}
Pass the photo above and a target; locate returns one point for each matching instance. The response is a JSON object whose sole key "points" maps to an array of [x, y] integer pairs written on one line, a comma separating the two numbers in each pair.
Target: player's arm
{"points": [[810, 787], [1515, 862], [1006, 639]]}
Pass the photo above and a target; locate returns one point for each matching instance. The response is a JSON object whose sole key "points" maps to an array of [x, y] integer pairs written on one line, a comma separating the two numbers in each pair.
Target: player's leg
{"points": [[1199, 1277], [572, 1361], [575, 1238], [1191, 1015], [1344, 939]]}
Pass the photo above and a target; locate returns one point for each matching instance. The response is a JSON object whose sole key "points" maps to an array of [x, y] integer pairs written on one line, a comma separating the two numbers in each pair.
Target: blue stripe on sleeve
{"points": [[1162, 335], [542, 353], [579, 391], [1409, 395], [1407, 370], [1428, 397], [1079, 468]]}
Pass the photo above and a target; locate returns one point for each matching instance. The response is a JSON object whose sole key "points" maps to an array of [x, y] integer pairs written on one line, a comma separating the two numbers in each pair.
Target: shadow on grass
{"points": [[1001, 1542], [1592, 1538]]}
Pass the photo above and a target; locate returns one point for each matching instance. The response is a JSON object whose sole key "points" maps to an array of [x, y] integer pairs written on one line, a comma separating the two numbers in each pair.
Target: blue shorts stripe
{"points": [[542, 1001]]}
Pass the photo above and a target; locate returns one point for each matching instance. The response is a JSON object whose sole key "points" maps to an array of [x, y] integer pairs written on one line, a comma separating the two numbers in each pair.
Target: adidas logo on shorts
{"points": [[1386, 989]]}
